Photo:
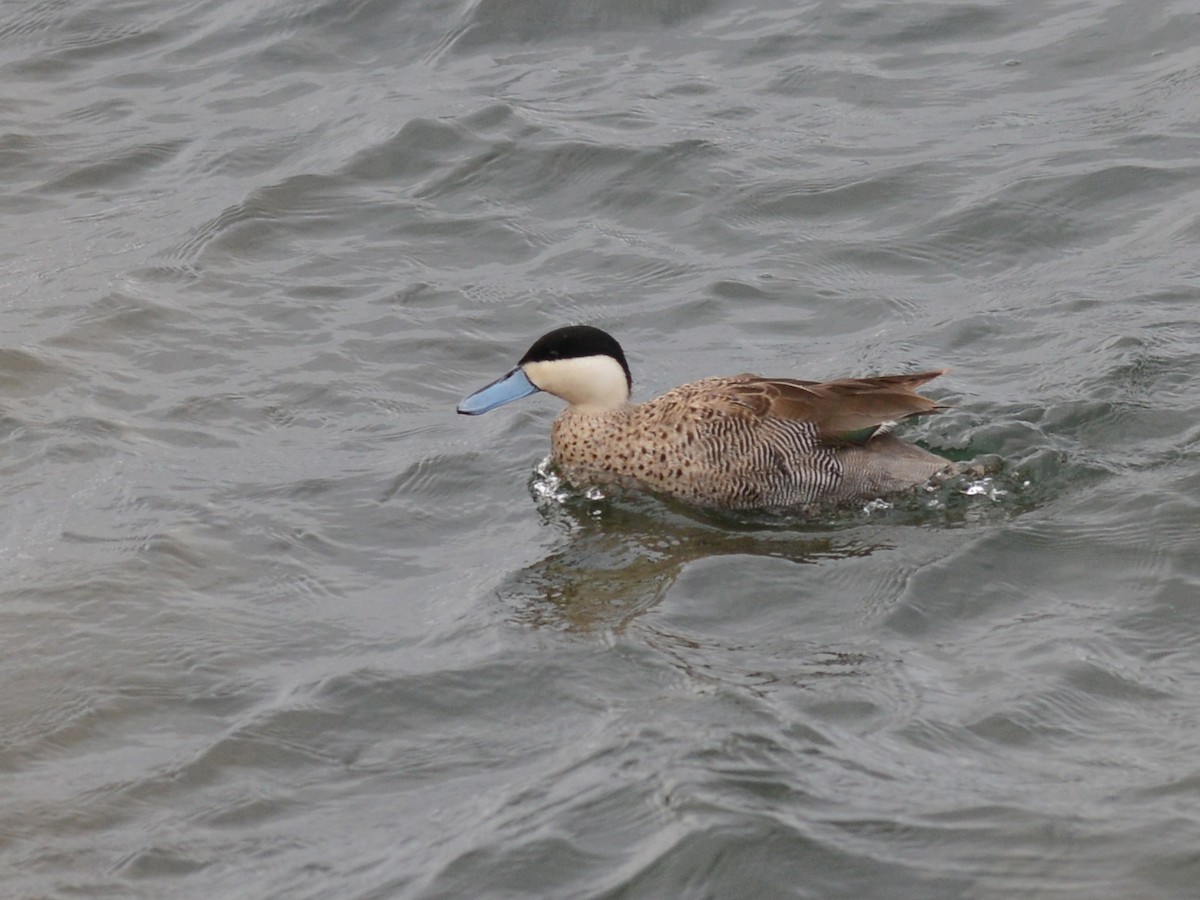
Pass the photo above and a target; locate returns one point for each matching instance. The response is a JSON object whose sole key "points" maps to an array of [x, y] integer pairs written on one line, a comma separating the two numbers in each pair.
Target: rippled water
{"points": [[275, 622]]}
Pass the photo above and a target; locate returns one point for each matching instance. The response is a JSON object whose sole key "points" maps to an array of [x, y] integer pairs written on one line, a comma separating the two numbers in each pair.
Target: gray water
{"points": [[274, 622]]}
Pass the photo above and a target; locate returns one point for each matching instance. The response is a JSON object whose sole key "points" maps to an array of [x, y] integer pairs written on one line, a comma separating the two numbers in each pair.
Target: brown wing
{"points": [[834, 407]]}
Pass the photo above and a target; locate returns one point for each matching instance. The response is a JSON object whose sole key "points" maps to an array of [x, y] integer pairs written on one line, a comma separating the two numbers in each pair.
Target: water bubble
{"points": [[984, 487]]}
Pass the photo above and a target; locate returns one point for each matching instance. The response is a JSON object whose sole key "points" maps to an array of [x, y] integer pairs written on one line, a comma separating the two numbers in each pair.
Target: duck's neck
{"points": [[597, 410], [588, 437]]}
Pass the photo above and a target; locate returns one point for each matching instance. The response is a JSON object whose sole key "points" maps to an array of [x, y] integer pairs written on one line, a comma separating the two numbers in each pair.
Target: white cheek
{"points": [[585, 381]]}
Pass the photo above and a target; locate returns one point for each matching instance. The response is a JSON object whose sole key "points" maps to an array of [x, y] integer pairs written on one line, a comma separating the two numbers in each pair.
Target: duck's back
{"points": [[745, 442]]}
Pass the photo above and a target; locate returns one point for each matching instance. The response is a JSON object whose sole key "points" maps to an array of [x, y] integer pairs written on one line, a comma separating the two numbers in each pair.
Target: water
{"points": [[275, 622]]}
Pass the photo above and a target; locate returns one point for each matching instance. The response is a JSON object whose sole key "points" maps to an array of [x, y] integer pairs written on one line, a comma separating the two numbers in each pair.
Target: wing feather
{"points": [[836, 408]]}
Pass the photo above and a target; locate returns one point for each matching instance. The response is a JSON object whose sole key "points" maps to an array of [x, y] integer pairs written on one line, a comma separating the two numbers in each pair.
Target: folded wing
{"points": [[849, 409]]}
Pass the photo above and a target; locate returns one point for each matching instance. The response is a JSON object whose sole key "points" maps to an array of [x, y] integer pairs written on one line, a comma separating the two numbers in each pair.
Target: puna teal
{"points": [[739, 442]]}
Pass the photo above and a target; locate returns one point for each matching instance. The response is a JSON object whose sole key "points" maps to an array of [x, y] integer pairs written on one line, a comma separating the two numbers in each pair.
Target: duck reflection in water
{"points": [[621, 556]]}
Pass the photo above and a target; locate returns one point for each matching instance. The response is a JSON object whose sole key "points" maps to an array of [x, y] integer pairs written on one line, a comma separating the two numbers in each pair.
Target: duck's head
{"points": [[580, 364]]}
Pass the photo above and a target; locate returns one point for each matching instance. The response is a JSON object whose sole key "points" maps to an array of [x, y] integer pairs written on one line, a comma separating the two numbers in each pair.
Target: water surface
{"points": [[275, 622]]}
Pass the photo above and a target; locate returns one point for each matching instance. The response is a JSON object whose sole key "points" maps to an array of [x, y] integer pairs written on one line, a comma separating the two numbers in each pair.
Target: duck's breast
{"points": [[693, 444]]}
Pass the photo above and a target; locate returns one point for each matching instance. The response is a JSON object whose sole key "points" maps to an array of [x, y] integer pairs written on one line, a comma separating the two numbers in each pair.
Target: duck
{"points": [[737, 442]]}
